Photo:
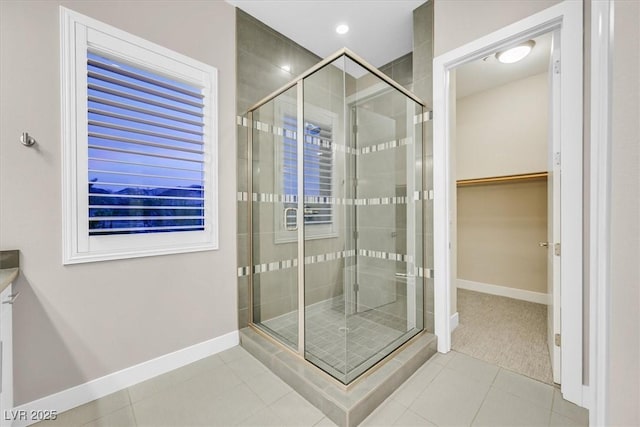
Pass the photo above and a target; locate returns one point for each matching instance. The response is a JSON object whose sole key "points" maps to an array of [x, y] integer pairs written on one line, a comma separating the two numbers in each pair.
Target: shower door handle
{"points": [[284, 219]]}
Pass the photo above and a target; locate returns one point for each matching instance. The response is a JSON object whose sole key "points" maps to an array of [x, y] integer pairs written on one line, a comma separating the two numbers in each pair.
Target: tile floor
{"points": [[233, 388], [328, 329]]}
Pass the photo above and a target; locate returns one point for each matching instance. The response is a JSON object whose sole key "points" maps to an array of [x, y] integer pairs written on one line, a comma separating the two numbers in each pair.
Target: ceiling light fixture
{"points": [[286, 68], [516, 53], [342, 29]]}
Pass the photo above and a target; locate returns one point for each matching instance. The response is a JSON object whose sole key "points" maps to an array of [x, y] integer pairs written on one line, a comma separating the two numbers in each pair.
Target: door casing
{"points": [[566, 19]]}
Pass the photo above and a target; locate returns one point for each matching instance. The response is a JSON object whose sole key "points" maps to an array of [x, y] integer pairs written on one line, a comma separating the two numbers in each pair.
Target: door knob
{"points": [[543, 244]]}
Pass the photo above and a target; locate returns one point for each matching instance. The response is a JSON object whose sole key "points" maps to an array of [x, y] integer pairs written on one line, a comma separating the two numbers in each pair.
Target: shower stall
{"points": [[340, 216]]}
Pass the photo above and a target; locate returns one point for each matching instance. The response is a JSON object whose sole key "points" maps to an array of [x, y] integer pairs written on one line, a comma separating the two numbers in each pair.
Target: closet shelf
{"points": [[501, 179]]}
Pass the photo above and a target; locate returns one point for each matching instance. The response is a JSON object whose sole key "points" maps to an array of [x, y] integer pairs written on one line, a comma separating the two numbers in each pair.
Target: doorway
{"points": [[566, 19], [502, 147]]}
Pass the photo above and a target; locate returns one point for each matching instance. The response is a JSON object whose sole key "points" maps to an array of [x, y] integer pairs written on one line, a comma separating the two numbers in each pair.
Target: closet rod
{"points": [[499, 179]]}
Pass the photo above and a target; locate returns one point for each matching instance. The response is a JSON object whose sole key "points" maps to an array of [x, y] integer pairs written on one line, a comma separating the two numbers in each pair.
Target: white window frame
{"points": [[311, 231], [80, 34]]}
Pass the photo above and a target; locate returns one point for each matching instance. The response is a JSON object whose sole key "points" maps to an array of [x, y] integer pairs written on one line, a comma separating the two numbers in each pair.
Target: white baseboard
{"points": [[100, 387], [455, 320], [503, 291], [586, 397]]}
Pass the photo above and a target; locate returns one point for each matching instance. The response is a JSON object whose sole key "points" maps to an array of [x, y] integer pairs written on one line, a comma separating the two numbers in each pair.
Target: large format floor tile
{"points": [[452, 399], [504, 409], [233, 388]]}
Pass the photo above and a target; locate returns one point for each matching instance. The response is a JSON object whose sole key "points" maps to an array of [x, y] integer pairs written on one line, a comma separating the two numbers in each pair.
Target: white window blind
{"points": [[318, 171], [139, 124], [146, 154]]}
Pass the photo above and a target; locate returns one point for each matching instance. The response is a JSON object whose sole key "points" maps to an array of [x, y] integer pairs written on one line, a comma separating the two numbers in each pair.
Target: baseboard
{"points": [[586, 397], [455, 320], [100, 387], [503, 291]]}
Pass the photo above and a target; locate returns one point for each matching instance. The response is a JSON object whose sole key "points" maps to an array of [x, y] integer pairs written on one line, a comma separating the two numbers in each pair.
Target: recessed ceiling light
{"points": [[516, 53], [286, 68], [342, 29]]}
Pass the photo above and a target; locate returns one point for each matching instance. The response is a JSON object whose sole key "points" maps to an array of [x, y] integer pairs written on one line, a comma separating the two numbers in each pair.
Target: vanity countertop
{"points": [[7, 275]]}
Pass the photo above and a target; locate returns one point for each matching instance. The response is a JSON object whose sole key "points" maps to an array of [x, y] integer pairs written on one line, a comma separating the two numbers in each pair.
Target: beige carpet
{"points": [[508, 332]]}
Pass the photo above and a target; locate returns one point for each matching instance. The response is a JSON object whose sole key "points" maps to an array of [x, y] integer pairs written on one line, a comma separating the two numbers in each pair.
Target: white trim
{"points": [[504, 291], [586, 399], [567, 18], [441, 206], [602, 24], [6, 352], [100, 387], [78, 35], [455, 321]]}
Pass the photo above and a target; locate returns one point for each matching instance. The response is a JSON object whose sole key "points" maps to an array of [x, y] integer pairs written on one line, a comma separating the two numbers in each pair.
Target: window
{"points": [[318, 171], [319, 175], [140, 142]]}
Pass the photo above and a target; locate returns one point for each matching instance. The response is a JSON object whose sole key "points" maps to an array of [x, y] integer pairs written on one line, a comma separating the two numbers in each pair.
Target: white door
{"points": [[553, 212]]}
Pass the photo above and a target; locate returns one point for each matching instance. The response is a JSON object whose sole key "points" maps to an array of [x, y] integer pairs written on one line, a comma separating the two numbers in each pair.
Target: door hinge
{"points": [[557, 340], [557, 159], [556, 66], [356, 234], [556, 249], [356, 287]]}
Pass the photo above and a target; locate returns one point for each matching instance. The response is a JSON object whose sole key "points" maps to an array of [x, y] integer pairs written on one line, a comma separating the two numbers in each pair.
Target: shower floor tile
{"points": [[344, 342]]}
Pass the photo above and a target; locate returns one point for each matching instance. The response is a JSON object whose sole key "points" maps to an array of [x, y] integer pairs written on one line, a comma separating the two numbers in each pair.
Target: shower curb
{"points": [[345, 407]]}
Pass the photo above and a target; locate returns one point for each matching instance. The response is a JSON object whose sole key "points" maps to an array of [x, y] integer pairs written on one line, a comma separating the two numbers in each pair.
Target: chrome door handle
{"points": [[284, 219], [543, 244], [12, 298]]}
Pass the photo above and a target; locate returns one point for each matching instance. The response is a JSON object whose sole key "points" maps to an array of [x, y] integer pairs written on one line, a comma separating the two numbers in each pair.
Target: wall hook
{"points": [[27, 140]]}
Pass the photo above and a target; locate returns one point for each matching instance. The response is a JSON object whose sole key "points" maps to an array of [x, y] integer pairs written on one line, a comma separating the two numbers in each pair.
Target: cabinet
{"points": [[6, 354]]}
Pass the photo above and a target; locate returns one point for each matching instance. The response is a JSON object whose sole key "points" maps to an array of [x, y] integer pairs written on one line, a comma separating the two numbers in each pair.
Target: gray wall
{"points": [[76, 323], [624, 330], [422, 86], [401, 70], [261, 52], [461, 21]]}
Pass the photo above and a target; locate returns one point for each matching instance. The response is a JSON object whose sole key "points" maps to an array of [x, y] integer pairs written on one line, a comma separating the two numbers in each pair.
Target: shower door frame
{"points": [[298, 82]]}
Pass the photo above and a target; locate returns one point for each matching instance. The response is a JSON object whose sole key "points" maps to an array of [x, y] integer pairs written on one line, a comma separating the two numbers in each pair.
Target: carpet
{"points": [[507, 332]]}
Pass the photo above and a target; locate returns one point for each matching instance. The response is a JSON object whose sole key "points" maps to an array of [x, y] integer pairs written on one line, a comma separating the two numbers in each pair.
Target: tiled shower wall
{"points": [[261, 52], [423, 22]]}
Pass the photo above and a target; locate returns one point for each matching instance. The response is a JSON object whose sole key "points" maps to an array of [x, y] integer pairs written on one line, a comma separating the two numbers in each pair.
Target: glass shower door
{"points": [[274, 226], [362, 159], [388, 289]]}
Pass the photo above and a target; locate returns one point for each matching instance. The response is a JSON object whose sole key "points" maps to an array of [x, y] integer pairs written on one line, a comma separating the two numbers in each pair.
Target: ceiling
{"points": [[487, 73], [381, 31]]}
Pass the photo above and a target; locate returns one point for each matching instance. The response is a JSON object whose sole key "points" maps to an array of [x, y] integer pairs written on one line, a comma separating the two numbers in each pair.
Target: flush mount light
{"points": [[516, 53], [342, 29]]}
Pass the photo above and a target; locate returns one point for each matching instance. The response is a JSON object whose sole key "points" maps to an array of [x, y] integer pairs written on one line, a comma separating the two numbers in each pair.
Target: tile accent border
{"points": [[120, 380], [279, 131], [332, 256], [243, 196]]}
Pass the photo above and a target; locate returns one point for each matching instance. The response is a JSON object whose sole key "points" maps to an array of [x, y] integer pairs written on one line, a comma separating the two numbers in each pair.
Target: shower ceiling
{"points": [[380, 31]]}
